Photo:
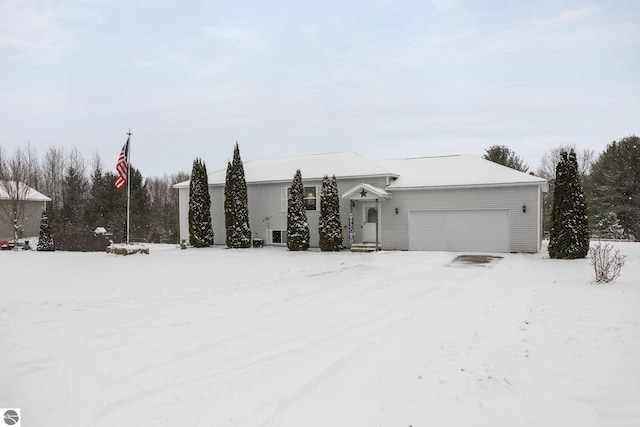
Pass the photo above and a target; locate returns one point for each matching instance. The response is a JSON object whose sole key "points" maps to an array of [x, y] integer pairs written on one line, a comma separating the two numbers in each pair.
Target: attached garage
{"points": [[482, 230]]}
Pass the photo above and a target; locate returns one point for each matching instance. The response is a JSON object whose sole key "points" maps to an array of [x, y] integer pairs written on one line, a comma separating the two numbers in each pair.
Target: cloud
{"points": [[566, 17], [444, 4], [236, 41], [223, 49], [539, 31], [37, 31]]}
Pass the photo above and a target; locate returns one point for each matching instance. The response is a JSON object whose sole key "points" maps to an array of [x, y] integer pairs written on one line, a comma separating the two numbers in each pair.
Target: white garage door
{"points": [[459, 231]]}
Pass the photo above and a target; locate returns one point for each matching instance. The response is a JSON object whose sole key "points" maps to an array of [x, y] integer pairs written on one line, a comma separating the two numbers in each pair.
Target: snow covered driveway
{"points": [[267, 337]]}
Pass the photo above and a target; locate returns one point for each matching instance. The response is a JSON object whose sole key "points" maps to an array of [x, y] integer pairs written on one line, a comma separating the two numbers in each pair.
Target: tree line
{"points": [[84, 197], [83, 194], [610, 181]]}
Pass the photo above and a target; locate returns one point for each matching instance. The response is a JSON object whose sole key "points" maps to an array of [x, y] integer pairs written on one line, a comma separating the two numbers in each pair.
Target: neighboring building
{"points": [[34, 204], [449, 203]]}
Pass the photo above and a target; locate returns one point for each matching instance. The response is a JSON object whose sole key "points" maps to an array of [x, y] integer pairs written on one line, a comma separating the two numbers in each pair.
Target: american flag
{"points": [[121, 166]]}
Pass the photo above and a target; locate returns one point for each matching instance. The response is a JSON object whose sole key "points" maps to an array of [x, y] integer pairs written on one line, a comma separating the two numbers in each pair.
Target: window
{"points": [[311, 199], [372, 215], [278, 236]]}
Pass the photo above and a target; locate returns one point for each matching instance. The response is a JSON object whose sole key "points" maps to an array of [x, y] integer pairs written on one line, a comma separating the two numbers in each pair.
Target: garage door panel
{"points": [[459, 230]]}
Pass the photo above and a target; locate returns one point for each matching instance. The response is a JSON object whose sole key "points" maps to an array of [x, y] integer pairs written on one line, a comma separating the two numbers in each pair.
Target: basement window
{"points": [[278, 237]]}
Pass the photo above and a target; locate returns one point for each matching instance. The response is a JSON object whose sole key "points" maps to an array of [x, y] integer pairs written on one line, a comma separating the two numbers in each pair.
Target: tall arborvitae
{"points": [[298, 235], [330, 226], [45, 241], [229, 212], [200, 228], [569, 233], [236, 204]]}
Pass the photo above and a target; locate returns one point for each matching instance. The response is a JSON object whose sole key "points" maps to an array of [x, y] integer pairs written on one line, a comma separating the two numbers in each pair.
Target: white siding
{"points": [[217, 213], [31, 221], [524, 227], [265, 201], [183, 212]]}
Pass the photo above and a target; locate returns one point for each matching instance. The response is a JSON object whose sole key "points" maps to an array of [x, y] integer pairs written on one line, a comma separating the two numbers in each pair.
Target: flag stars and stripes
{"points": [[121, 166]]}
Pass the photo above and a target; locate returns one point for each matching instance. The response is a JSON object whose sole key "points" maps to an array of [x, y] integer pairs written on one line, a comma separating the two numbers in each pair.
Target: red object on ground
{"points": [[6, 245]]}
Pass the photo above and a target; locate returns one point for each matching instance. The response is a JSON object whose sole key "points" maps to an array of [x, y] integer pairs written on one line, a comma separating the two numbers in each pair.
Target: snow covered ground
{"points": [[267, 337]]}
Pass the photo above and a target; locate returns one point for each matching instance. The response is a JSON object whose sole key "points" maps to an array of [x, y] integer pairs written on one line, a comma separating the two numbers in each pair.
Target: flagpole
{"points": [[128, 183]]}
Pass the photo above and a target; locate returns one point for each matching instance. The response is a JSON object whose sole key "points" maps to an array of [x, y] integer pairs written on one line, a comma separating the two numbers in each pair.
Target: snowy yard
{"points": [[267, 337]]}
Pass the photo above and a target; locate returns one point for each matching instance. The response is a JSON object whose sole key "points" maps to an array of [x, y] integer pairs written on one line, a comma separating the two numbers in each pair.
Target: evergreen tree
{"points": [[298, 235], [107, 206], [547, 170], [236, 206], [615, 183], [45, 241], [200, 227], [569, 234], [74, 190], [229, 212], [330, 226], [504, 156], [140, 210], [607, 226]]}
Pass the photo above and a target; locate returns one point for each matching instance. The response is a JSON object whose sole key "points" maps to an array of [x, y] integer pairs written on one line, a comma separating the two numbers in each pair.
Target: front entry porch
{"points": [[364, 214]]}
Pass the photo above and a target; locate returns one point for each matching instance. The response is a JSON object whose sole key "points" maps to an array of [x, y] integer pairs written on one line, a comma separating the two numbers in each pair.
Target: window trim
{"points": [[270, 232], [284, 197]]}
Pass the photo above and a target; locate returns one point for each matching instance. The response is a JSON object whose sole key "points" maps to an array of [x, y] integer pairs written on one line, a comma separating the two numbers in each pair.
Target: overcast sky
{"points": [[383, 78]]}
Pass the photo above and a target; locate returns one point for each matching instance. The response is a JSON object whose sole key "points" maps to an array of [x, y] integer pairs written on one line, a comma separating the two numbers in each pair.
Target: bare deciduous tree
{"points": [[164, 206], [53, 166], [549, 161], [18, 177], [52, 175]]}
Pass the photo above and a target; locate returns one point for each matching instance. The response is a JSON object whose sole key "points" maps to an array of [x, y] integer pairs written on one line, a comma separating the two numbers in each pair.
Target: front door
{"points": [[370, 216]]}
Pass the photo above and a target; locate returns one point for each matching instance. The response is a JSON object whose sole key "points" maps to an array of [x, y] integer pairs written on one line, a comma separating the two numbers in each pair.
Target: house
{"points": [[449, 203], [32, 204]]}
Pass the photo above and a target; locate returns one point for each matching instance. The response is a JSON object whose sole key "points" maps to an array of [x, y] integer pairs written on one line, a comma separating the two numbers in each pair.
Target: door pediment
{"points": [[366, 192]]}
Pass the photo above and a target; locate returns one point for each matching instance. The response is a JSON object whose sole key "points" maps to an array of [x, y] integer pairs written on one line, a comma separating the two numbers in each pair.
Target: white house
{"points": [[32, 204], [449, 203]]}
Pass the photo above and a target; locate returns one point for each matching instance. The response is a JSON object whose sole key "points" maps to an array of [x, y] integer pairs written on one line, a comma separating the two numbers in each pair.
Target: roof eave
{"points": [[543, 184], [305, 179]]}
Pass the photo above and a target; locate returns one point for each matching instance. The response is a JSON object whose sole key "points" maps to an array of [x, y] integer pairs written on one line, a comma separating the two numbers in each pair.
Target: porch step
{"points": [[364, 247]]}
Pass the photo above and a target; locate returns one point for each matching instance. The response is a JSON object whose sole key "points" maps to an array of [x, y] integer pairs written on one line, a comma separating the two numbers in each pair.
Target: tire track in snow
{"points": [[301, 302], [319, 379], [364, 326], [373, 340], [247, 352]]}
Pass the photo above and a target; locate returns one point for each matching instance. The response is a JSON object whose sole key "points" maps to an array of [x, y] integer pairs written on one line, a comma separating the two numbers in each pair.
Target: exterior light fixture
{"points": [[524, 209], [397, 211]]}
